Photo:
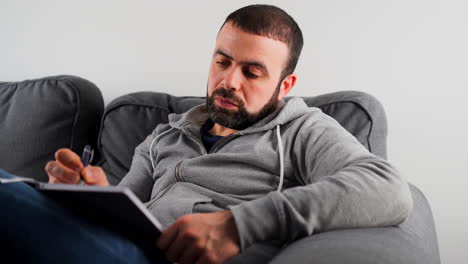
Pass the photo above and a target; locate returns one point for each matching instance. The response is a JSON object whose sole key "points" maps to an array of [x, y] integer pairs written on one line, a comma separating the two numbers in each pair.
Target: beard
{"points": [[240, 118]]}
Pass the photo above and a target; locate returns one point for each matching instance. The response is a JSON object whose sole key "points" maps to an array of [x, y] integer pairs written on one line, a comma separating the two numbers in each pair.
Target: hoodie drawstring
{"points": [[151, 147], [280, 146]]}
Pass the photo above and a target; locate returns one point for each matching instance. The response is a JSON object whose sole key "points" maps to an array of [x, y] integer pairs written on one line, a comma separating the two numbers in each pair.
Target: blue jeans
{"points": [[36, 229]]}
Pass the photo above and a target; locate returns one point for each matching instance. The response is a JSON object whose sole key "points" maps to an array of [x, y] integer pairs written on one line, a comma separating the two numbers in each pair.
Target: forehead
{"points": [[245, 46]]}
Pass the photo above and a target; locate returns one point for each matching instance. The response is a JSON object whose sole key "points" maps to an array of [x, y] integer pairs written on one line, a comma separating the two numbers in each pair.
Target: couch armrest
{"points": [[37, 117], [413, 241]]}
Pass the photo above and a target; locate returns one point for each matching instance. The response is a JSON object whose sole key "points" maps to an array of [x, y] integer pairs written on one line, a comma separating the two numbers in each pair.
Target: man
{"points": [[248, 169]]}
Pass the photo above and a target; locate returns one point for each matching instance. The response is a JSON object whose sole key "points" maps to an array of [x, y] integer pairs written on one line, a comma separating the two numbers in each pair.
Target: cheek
{"points": [[214, 80], [258, 96]]}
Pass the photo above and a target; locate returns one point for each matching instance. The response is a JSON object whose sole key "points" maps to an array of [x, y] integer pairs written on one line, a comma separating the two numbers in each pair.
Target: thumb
{"points": [[94, 175]]}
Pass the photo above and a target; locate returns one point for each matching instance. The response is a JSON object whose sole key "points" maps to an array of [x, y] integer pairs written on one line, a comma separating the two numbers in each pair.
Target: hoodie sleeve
{"points": [[344, 186]]}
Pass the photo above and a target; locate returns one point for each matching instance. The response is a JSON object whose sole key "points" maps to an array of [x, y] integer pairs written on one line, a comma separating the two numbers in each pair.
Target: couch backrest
{"points": [[127, 121], [37, 117]]}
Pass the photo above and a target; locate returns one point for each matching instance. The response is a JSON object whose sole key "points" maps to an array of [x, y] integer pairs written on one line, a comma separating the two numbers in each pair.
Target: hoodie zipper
{"points": [[195, 139], [216, 146], [222, 142]]}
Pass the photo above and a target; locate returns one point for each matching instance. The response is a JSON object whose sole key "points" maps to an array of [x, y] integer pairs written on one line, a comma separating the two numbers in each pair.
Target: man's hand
{"points": [[201, 238], [67, 168]]}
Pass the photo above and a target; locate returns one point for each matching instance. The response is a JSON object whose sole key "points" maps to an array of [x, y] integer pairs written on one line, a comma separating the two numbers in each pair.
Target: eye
{"points": [[223, 64], [250, 75]]}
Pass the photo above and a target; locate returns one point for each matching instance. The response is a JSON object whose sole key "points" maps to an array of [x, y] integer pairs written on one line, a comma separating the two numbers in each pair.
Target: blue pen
{"points": [[87, 155], [86, 158]]}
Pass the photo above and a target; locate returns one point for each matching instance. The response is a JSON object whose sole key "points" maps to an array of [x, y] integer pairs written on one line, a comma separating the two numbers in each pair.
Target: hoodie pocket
{"points": [[177, 201]]}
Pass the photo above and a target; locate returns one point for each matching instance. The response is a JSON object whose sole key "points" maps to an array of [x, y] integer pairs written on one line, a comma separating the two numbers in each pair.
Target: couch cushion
{"points": [[130, 118], [37, 117], [413, 241]]}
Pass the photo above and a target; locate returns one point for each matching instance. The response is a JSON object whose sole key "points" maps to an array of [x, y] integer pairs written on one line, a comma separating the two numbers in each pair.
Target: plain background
{"points": [[411, 54]]}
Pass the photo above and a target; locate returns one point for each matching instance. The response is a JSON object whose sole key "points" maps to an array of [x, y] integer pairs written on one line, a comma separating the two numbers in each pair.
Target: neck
{"points": [[219, 130]]}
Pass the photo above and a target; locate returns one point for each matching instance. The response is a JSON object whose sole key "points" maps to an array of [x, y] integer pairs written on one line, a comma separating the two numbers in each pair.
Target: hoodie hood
{"points": [[284, 113]]}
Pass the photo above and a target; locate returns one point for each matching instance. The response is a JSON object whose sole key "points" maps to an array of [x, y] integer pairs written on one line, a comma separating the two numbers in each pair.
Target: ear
{"points": [[286, 85]]}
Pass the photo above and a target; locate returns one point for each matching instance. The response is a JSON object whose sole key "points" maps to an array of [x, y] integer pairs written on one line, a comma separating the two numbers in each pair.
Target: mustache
{"points": [[228, 94]]}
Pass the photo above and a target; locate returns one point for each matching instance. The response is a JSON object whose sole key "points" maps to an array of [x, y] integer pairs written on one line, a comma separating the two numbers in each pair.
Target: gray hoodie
{"points": [[294, 173]]}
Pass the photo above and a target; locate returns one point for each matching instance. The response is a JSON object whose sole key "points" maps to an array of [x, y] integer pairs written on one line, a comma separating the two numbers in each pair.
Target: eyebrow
{"points": [[257, 64]]}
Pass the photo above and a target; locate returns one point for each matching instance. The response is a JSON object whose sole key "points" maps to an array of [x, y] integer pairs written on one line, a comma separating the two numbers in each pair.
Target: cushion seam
{"points": [[77, 109]]}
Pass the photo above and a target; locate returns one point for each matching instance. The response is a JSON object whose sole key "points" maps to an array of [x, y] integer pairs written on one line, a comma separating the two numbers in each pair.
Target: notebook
{"points": [[114, 207]]}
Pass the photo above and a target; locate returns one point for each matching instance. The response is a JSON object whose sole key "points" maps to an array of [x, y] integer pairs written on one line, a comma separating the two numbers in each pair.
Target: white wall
{"points": [[411, 54]]}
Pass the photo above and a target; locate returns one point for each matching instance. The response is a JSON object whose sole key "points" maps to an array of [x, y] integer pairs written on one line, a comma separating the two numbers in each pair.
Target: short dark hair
{"points": [[272, 22]]}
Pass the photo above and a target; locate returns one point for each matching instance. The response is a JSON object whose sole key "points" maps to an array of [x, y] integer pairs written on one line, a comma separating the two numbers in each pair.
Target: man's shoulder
{"points": [[313, 121], [312, 116]]}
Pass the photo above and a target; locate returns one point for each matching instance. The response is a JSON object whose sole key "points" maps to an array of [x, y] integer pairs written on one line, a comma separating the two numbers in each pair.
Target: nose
{"points": [[233, 79]]}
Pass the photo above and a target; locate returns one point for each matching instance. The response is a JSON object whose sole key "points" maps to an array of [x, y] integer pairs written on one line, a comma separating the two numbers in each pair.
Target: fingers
{"points": [[207, 258], [55, 180], [167, 236], [65, 169], [191, 254], [69, 159], [94, 175], [182, 242], [199, 238], [58, 173], [175, 249], [68, 168]]}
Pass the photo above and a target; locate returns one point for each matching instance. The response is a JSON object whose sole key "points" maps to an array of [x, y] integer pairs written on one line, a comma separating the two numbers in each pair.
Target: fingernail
{"points": [[56, 169]]}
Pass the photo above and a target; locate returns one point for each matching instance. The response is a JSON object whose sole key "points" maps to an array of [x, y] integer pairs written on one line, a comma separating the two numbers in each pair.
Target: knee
{"points": [[5, 175], [12, 190]]}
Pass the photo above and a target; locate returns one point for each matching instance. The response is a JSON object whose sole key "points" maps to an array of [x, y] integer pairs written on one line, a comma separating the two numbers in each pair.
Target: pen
{"points": [[86, 158]]}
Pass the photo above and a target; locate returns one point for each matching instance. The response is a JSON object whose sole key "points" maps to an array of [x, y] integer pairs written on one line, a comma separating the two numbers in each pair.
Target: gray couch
{"points": [[39, 116]]}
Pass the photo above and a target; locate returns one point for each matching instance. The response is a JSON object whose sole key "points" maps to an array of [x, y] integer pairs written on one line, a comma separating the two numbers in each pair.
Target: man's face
{"points": [[244, 80]]}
